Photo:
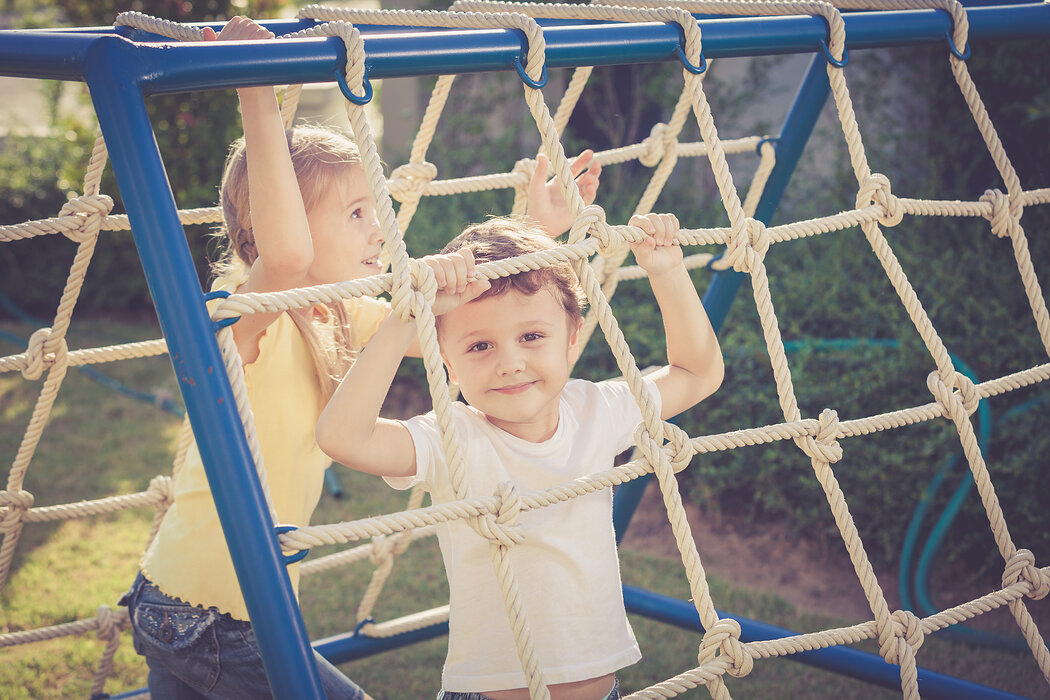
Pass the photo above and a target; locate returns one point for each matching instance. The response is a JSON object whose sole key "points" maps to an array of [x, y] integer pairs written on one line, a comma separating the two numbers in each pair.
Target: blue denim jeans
{"points": [[195, 653], [614, 694]]}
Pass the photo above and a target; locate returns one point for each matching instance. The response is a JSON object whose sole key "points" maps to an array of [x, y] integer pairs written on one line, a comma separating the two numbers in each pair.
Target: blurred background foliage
{"points": [[916, 129]]}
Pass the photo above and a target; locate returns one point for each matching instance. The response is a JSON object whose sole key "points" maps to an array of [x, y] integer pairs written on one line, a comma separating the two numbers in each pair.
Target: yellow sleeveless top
{"points": [[189, 559]]}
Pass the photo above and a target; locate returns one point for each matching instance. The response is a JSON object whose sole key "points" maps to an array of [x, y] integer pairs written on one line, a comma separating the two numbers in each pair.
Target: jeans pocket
{"points": [[180, 637]]}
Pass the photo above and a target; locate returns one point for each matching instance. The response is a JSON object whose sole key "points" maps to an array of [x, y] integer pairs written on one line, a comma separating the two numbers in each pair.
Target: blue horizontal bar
{"points": [[844, 660], [341, 648], [392, 53]]}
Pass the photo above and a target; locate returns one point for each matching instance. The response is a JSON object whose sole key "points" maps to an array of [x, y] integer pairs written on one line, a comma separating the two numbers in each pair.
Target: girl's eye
{"points": [[480, 346], [356, 214]]}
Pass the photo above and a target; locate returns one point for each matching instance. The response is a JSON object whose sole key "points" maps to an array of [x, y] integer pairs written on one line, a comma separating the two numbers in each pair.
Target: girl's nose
{"points": [[376, 232]]}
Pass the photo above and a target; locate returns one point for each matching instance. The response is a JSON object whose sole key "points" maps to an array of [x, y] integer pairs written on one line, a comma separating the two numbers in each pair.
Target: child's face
{"points": [[345, 231], [511, 355]]}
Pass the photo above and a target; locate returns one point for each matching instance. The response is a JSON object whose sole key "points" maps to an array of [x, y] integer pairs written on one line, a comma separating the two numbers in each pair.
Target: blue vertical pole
{"points": [[798, 125], [110, 72]]}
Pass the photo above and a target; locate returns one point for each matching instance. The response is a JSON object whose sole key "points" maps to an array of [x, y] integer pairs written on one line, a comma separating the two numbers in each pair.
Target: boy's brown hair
{"points": [[501, 238]]}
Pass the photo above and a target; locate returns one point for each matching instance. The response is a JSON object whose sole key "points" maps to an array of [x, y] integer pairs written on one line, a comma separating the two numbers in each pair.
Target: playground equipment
{"points": [[121, 65]]}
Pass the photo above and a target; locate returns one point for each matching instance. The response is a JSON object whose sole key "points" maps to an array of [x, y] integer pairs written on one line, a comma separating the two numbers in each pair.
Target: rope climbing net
{"points": [[597, 250]]}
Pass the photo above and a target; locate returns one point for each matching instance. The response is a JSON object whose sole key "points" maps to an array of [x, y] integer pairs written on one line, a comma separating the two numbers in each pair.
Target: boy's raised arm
{"points": [[695, 369], [350, 429]]}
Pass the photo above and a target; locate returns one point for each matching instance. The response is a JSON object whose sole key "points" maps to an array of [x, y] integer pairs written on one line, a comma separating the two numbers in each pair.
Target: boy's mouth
{"points": [[514, 388]]}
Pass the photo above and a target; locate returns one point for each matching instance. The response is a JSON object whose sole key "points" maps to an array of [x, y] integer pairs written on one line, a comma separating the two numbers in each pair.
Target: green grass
{"points": [[102, 443]]}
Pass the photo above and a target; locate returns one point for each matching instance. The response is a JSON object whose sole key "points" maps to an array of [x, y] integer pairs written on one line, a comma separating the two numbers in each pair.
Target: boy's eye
{"points": [[479, 346], [529, 337]]}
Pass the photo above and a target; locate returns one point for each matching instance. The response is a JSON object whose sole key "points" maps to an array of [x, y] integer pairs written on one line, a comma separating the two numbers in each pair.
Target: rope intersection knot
{"points": [[825, 445], [409, 180], [164, 487], [962, 392], [92, 209], [42, 352], [907, 633], [13, 507], [408, 304], [382, 550], [875, 190], [724, 637], [592, 220], [1021, 567], [109, 623], [1004, 223], [747, 245], [658, 144], [501, 527], [678, 449]]}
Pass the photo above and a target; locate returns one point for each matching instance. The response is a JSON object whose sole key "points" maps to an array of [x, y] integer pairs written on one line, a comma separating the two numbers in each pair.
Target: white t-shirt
{"points": [[567, 568]]}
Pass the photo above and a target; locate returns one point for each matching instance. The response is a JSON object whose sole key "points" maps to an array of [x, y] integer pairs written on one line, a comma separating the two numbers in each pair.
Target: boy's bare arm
{"points": [[695, 369], [350, 429]]}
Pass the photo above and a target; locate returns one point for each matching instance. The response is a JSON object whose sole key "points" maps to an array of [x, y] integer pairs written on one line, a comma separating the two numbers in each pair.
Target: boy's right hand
{"points": [[456, 281]]}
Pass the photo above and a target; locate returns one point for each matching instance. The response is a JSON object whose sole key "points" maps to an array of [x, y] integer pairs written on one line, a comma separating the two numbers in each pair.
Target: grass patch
{"points": [[102, 442]]}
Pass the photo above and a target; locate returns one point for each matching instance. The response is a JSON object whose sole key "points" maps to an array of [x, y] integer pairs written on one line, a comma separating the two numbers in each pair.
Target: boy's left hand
{"points": [[547, 204], [657, 253]]}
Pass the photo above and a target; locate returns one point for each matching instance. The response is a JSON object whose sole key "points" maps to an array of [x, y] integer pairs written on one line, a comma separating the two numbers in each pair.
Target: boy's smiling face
{"points": [[511, 355]]}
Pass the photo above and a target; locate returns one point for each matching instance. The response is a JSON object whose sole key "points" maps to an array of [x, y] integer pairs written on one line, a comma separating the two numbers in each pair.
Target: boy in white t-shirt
{"points": [[511, 344]]}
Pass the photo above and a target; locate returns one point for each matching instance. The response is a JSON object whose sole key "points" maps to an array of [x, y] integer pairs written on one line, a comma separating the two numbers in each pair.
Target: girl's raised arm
{"points": [[279, 223]]}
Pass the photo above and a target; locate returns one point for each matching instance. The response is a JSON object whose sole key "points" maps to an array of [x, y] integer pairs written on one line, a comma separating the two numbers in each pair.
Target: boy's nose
{"points": [[510, 363]]}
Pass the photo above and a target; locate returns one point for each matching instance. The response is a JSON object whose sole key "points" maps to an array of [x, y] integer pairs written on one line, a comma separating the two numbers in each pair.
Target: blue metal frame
{"points": [[120, 73]]}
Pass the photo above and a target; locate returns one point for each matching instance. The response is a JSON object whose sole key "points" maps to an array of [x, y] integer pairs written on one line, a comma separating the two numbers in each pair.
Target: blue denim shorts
{"points": [[199, 652], [614, 694]]}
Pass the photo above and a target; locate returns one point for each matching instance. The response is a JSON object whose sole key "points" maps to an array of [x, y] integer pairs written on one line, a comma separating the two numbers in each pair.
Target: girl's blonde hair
{"points": [[320, 157], [500, 238]]}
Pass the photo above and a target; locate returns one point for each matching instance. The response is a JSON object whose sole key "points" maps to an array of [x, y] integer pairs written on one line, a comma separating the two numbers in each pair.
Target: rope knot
{"points": [[962, 392], [747, 245], [906, 632], [164, 487], [408, 305], [409, 180], [724, 637], [1021, 567], [591, 220], [382, 549], [875, 190], [108, 623], [90, 209], [659, 143], [1004, 224], [501, 526], [42, 352], [679, 447], [825, 445], [13, 507]]}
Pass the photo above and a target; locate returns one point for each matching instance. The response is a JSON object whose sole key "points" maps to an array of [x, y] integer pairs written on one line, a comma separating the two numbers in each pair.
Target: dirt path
{"points": [[765, 559]]}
